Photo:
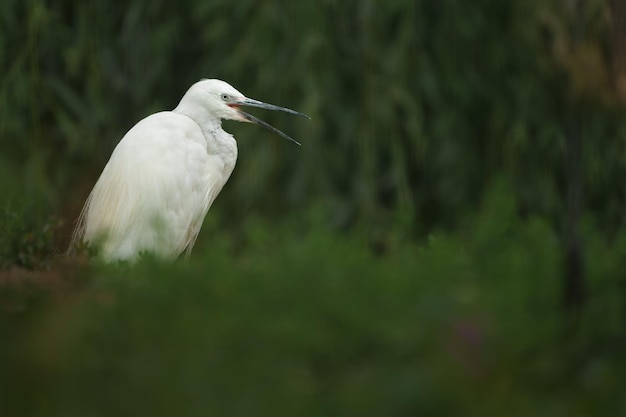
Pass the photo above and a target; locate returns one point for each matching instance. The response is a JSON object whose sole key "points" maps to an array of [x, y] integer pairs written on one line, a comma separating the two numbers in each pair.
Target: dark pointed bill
{"points": [[256, 103], [260, 104]]}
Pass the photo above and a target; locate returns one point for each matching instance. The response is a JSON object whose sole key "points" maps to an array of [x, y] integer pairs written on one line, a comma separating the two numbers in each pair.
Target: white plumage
{"points": [[164, 174]]}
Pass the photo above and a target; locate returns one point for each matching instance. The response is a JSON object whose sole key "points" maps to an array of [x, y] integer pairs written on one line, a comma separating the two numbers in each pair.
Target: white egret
{"points": [[164, 174]]}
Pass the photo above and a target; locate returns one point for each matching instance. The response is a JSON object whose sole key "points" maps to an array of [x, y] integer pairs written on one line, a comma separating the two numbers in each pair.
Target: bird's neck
{"points": [[218, 141]]}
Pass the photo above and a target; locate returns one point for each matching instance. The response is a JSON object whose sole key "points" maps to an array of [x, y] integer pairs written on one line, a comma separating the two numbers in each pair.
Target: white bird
{"points": [[165, 173]]}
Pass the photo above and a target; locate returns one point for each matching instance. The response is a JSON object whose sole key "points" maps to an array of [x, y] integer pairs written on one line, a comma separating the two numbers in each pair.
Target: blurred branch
{"points": [[618, 46], [574, 288], [578, 47]]}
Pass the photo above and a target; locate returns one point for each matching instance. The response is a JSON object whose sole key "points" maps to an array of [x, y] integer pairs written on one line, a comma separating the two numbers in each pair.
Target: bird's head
{"points": [[222, 101]]}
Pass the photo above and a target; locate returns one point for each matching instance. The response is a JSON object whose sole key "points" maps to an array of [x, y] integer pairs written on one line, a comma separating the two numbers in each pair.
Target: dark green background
{"points": [[448, 240]]}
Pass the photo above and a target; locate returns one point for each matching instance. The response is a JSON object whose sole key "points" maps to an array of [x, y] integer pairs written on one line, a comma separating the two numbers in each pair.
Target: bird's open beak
{"points": [[250, 118]]}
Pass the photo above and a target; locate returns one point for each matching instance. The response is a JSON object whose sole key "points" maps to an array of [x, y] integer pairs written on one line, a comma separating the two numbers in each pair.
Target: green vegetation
{"points": [[307, 323], [449, 240]]}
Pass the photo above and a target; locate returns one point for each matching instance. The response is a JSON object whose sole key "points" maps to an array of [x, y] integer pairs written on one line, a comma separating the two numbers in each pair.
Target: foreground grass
{"points": [[279, 322]]}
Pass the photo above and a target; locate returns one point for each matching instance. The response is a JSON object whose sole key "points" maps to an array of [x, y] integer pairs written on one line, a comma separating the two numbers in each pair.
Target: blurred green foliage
{"points": [[26, 238], [306, 323], [408, 258], [416, 105]]}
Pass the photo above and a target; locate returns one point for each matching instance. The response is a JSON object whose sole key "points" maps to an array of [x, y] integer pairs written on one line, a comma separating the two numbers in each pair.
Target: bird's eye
{"points": [[225, 97]]}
